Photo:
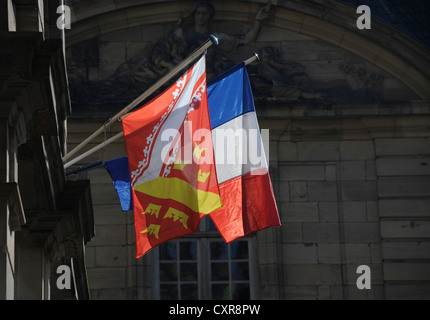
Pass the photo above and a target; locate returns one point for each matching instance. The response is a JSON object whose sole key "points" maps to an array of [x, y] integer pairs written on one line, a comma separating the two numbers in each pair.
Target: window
{"points": [[178, 270], [203, 266], [229, 270]]}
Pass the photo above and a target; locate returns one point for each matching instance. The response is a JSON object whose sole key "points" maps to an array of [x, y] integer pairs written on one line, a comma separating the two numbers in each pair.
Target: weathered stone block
{"points": [[331, 172], [299, 292], [299, 212], [405, 229], [410, 291], [111, 256], [417, 166], [359, 190], [318, 274], [328, 211], [109, 235], [90, 257], [298, 191], [357, 150], [372, 211], [323, 293], [357, 253], [376, 292], [404, 207], [352, 170], [407, 271], [318, 150], [302, 172], [268, 236], [268, 274], [406, 250], [322, 191], [98, 176], [287, 151], [105, 278], [320, 232], [104, 193], [376, 253], [354, 211], [402, 146], [267, 253], [329, 253], [293, 233], [370, 169], [269, 292], [281, 190], [112, 294], [299, 254], [109, 214], [361, 232]]}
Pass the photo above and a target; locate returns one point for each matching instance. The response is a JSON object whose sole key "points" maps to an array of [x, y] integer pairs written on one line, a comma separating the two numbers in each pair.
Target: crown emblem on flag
{"points": [[202, 176], [198, 151], [152, 229]]}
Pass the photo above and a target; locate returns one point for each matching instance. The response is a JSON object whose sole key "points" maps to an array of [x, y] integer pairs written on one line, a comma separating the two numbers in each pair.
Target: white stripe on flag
{"points": [[238, 147]]}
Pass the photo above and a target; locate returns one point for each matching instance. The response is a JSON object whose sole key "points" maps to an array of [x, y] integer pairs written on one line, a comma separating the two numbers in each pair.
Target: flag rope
{"points": [[248, 61]]}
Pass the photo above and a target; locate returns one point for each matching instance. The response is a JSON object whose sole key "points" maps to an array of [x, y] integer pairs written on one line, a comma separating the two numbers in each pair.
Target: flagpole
{"points": [[212, 40], [91, 151], [255, 57], [248, 61]]}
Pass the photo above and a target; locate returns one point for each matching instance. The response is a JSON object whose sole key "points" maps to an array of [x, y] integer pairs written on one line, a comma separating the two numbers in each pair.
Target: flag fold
{"points": [[246, 190], [171, 162]]}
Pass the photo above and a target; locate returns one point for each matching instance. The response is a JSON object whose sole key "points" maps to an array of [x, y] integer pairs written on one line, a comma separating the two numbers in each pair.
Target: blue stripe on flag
{"points": [[224, 102]]}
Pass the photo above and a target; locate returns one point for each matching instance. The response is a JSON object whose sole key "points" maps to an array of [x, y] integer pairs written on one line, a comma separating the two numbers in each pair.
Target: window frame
{"points": [[203, 238]]}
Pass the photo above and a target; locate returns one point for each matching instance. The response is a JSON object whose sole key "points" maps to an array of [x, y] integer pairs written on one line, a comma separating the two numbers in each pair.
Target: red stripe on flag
{"points": [[248, 206]]}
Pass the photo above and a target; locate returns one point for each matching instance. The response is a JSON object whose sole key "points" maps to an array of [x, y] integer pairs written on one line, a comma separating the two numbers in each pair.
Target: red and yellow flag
{"points": [[171, 162]]}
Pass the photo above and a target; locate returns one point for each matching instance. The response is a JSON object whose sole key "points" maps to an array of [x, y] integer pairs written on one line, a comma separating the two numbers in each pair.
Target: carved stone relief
{"points": [[151, 63], [281, 81], [275, 79], [360, 79]]}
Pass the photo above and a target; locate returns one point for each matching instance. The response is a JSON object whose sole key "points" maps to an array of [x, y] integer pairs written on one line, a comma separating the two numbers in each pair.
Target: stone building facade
{"points": [[45, 219], [348, 112]]}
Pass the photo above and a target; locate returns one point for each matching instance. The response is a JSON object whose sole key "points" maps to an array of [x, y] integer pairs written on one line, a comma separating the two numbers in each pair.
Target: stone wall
{"points": [[351, 192], [404, 190], [349, 167]]}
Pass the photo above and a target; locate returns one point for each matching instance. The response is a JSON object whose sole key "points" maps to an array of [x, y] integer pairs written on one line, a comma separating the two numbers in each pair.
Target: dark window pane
{"points": [[188, 271], [219, 251], [169, 292], [239, 271], [239, 250], [168, 251], [189, 292], [220, 291], [168, 272], [240, 291], [219, 271], [188, 250]]}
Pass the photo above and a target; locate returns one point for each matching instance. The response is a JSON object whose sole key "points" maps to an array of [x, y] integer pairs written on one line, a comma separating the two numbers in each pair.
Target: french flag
{"points": [[246, 190]]}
